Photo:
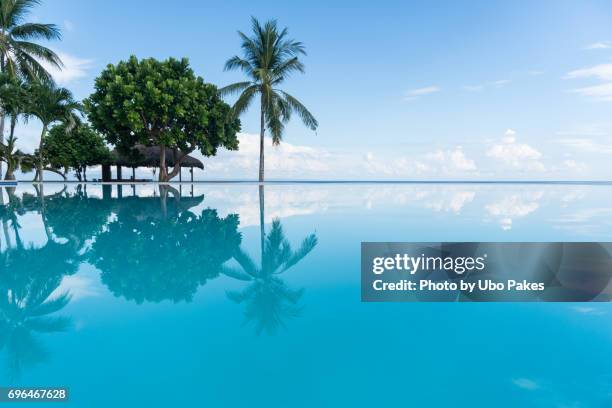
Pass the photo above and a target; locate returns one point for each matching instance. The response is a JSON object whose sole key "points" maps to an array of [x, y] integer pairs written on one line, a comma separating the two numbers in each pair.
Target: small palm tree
{"points": [[269, 59], [13, 101], [15, 159], [51, 104]]}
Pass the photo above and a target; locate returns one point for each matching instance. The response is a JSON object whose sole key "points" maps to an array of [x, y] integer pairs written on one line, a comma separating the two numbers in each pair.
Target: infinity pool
{"points": [[136, 296]]}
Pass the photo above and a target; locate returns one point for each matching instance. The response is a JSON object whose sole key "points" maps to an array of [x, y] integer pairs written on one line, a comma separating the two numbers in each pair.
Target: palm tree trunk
{"points": [[262, 232], [262, 129], [1, 133], [40, 153], [10, 165]]}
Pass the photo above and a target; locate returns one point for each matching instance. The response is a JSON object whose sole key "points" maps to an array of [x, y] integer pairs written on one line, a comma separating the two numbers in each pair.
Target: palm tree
{"points": [[20, 56], [51, 104], [15, 159], [13, 101], [269, 301], [269, 58]]}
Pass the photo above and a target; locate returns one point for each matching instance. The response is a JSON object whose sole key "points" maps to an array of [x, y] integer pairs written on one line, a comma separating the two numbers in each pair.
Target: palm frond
{"points": [[30, 31], [246, 263], [307, 118], [41, 52], [305, 248], [233, 88], [51, 306], [244, 100]]}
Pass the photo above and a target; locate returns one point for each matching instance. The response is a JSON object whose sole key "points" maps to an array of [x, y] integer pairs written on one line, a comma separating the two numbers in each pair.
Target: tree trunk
{"points": [[262, 130], [40, 154], [85, 173], [177, 165], [10, 165], [163, 170], [1, 133], [262, 233], [10, 175]]}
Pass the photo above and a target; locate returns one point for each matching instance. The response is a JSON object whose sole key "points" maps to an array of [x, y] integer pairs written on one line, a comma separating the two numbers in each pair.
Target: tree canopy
{"points": [[75, 148], [161, 103]]}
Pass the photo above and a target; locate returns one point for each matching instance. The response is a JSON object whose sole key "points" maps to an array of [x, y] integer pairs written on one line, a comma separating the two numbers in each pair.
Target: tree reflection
{"points": [[268, 300], [29, 276], [155, 249]]}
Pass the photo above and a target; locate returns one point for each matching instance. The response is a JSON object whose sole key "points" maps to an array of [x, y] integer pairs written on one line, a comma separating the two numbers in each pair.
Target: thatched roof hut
{"points": [[146, 156], [149, 157]]}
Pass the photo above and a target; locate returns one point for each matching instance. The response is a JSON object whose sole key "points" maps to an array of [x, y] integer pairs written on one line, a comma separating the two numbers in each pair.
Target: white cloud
{"points": [[574, 165], [474, 88], [74, 68], [480, 87], [599, 92], [68, 25], [526, 384], [416, 93], [601, 71], [600, 45], [516, 155], [284, 161], [586, 145], [452, 160], [79, 286], [513, 206], [588, 310], [500, 83], [290, 161]]}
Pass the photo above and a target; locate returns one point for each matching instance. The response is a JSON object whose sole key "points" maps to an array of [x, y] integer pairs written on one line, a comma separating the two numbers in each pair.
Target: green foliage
{"points": [[20, 56], [50, 104], [160, 103], [269, 58], [160, 257], [14, 158], [75, 148]]}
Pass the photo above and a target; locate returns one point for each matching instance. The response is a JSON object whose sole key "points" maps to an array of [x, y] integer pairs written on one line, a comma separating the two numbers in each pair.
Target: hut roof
{"points": [[149, 157]]}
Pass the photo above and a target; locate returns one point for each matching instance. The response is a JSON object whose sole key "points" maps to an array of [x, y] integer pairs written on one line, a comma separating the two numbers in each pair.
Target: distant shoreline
{"points": [[416, 182]]}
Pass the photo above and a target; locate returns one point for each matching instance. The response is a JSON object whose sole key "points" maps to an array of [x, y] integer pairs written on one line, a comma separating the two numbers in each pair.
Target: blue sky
{"points": [[402, 90]]}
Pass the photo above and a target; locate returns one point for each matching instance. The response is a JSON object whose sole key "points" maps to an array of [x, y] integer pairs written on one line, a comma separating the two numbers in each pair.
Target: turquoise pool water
{"points": [[132, 296]]}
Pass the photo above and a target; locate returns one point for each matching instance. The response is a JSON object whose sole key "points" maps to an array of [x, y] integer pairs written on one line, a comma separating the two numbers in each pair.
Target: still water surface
{"points": [[136, 296]]}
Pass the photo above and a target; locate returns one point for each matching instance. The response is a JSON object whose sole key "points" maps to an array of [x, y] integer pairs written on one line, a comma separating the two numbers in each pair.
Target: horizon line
{"points": [[348, 181]]}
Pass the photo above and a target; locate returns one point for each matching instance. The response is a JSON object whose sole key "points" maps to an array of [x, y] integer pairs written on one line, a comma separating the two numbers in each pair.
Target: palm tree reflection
{"points": [[268, 300], [29, 277]]}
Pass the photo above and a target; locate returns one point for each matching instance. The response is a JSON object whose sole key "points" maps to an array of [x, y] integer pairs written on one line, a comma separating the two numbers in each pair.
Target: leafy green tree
{"points": [[161, 103], [51, 104], [20, 55], [75, 149], [269, 58]]}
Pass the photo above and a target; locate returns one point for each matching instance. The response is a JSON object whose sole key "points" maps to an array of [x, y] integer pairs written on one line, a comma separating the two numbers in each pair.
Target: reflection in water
{"points": [[29, 276], [147, 249], [155, 249], [269, 302]]}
